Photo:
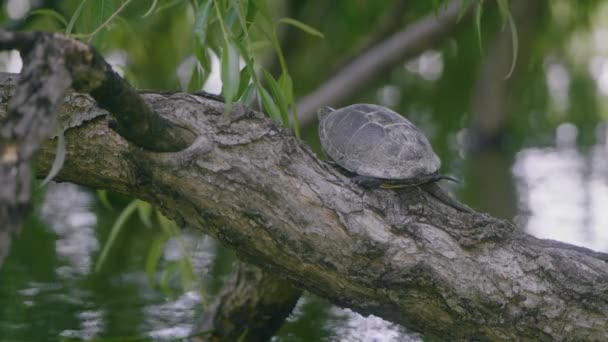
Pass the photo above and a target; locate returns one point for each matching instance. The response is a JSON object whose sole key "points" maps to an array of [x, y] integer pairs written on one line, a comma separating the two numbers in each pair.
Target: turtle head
{"points": [[323, 111]]}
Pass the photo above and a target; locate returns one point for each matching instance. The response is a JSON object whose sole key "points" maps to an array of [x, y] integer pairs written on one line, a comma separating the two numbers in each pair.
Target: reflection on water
{"points": [[200, 249], [314, 319], [173, 319], [66, 210], [563, 192], [91, 325], [355, 328]]}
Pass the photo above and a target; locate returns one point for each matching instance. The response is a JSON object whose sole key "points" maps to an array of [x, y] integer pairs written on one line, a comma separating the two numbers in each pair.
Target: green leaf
{"points": [[201, 23], [116, 228], [144, 210], [154, 254], [110, 18], [436, 5], [196, 79], [102, 195], [286, 85], [187, 273], [306, 28], [50, 13], [269, 105], [202, 55], [478, 13], [250, 66], [102, 10], [246, 96], [59, 158], [244, 80], [169, 227], [240, 45], [165, 278], [243, 335], [168, 4], [230, 73], [239, 7], [75, 17], [151, 9], [503, 9], [259, 45], [514, 43], [252, 10], [263, 8], [231, 17], [464, 7], [280, 101]]}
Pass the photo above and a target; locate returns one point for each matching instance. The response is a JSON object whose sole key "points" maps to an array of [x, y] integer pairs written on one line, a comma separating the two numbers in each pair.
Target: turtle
{"points": [[378, 147]]}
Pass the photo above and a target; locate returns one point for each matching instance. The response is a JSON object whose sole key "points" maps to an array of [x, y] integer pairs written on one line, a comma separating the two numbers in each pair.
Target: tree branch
{"points": [[86, 71], [401, 255], [409, 42]]}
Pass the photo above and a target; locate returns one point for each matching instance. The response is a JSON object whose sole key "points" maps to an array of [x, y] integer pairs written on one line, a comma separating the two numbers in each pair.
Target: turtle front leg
{"points": [[367, 182]]}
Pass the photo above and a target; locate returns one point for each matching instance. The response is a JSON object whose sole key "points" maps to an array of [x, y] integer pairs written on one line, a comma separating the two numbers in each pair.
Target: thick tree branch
{"points": [[409, 42], [401, 255]]}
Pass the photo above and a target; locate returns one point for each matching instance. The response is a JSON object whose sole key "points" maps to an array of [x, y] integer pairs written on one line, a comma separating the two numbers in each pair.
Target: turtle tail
{"points": [[440, 177]]}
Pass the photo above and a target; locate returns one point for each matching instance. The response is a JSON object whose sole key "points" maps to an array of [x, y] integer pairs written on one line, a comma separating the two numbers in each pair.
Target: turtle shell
{"points": [[374, 141]]}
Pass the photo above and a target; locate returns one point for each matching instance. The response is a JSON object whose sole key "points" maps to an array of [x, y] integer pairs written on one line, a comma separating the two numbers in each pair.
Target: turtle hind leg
{"points": [[367, 182]]}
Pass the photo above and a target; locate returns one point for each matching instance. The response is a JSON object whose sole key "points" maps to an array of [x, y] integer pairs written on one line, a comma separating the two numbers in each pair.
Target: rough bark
{"points": [[251, 306], [401, 255]]}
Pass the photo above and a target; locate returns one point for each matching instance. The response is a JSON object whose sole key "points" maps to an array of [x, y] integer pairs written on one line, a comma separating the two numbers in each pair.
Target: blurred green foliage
{"points": [[284, 62]]}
